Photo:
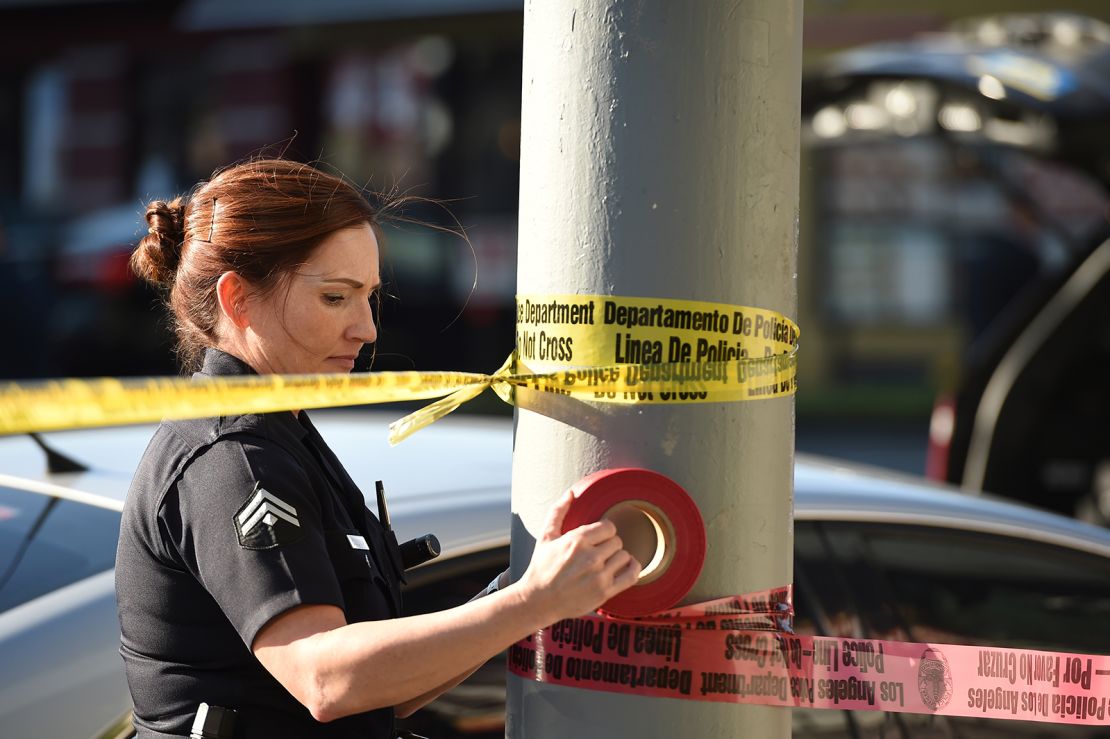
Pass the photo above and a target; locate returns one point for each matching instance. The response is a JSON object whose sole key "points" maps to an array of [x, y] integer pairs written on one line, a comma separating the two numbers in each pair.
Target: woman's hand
{"points": [[572, 574]]}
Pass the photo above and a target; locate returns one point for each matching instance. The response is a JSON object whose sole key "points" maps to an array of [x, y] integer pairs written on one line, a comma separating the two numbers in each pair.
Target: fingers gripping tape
{"points": [[657, 522]]}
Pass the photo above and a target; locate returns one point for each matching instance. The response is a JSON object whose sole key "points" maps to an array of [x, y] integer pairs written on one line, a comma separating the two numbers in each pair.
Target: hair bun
{"points": [[159, 252]]}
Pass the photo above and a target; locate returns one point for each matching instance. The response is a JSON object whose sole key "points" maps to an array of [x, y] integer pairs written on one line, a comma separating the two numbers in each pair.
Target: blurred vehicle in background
{"points": [[876, 556], [104, 320], [26, 296], [1024, 100], [70, 306]]}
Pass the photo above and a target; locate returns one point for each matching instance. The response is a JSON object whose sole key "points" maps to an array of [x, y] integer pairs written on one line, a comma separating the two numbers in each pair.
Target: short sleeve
{"points": [[247, 523]]}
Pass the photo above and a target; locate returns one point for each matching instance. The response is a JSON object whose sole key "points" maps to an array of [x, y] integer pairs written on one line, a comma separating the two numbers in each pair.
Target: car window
{"points": [[47, 543], [916, 583], [963, 587]]}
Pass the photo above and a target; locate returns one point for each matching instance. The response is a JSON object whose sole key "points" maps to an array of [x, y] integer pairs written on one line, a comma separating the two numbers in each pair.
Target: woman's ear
{"points": [[231, 291]]}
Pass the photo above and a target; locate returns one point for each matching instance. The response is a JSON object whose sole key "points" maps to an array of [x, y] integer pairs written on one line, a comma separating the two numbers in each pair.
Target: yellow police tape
{"points": [[591, 347]]}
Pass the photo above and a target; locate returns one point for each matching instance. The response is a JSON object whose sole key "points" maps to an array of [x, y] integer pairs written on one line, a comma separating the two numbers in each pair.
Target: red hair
{"points": [[260, 219]]}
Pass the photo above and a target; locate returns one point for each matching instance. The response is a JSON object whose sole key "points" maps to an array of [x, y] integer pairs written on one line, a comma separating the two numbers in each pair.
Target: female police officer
{"points": [[250, 575]]}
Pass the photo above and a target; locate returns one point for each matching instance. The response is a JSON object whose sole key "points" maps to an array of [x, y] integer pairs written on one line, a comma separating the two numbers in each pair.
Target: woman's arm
{"points": [[409, 707], [337, 669], [406, 709]]}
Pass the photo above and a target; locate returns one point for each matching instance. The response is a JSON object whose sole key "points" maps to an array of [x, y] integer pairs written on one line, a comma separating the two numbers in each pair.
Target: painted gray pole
{"points": [[659, 158]]}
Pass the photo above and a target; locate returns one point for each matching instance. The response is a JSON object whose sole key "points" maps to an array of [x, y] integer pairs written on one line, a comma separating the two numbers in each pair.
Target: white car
{"points": [[876, 555]]}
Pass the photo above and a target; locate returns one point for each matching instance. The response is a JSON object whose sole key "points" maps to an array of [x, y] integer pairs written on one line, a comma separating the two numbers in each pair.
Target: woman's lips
{"points": [[347, 361]]}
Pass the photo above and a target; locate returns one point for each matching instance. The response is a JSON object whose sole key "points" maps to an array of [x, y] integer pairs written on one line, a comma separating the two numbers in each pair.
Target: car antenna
{"points": [[57, 461]]}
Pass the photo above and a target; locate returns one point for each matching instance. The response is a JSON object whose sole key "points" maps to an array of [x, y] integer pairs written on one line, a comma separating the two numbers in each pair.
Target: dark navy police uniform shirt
{"points": [[229, 522]]}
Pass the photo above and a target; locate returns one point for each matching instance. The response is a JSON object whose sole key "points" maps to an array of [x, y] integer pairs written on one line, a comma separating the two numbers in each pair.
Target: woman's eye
{"points": [[333, 299]]}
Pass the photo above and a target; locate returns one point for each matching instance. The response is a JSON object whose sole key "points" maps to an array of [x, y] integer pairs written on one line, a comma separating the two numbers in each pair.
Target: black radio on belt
{"points": [[213, 722]]}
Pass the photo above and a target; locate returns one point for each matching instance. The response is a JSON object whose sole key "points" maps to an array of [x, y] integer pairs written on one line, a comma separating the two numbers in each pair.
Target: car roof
{"points": [[1065, 83], [1024, 52], [359, 438], [426, 486], [829, 490]]}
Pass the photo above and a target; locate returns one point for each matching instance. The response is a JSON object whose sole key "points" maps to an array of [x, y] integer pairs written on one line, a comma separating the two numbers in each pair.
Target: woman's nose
{"points": [[364, 328]]}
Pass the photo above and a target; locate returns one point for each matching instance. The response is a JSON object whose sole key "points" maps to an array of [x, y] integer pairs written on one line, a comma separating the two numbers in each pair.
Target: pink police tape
{"points": [[741, 650]]}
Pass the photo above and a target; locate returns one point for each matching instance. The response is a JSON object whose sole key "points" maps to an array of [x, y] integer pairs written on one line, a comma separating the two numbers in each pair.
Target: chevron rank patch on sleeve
{"points": [[266, 521]]}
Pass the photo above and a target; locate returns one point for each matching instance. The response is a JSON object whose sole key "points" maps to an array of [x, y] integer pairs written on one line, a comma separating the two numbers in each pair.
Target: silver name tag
{"points": [[358, 542]]}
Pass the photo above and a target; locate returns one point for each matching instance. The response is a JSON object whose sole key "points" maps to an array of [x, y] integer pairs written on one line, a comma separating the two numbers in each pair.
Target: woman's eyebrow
{"points": [[348, 281]]}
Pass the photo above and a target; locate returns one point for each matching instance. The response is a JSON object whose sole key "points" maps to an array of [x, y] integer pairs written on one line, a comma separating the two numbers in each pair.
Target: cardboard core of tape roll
{"points": [[647, 534], [658, 523]]}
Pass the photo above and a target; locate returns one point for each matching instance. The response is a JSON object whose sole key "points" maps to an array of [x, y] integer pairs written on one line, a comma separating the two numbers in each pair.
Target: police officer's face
{"points": [[325, 317]]}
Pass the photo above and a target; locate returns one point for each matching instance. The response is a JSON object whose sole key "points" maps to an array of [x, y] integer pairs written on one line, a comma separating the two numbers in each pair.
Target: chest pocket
{"points": [[369, 594]]}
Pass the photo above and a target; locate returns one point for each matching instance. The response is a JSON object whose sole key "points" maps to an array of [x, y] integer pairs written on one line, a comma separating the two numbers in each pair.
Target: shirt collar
{"points": [[218, 363]]}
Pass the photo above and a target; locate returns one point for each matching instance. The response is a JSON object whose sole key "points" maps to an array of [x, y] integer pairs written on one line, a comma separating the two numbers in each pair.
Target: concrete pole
{"points": [[659, 158]]}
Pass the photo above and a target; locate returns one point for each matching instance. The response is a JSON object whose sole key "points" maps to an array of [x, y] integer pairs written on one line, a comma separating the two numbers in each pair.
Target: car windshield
{"points": [[47, 543]]}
